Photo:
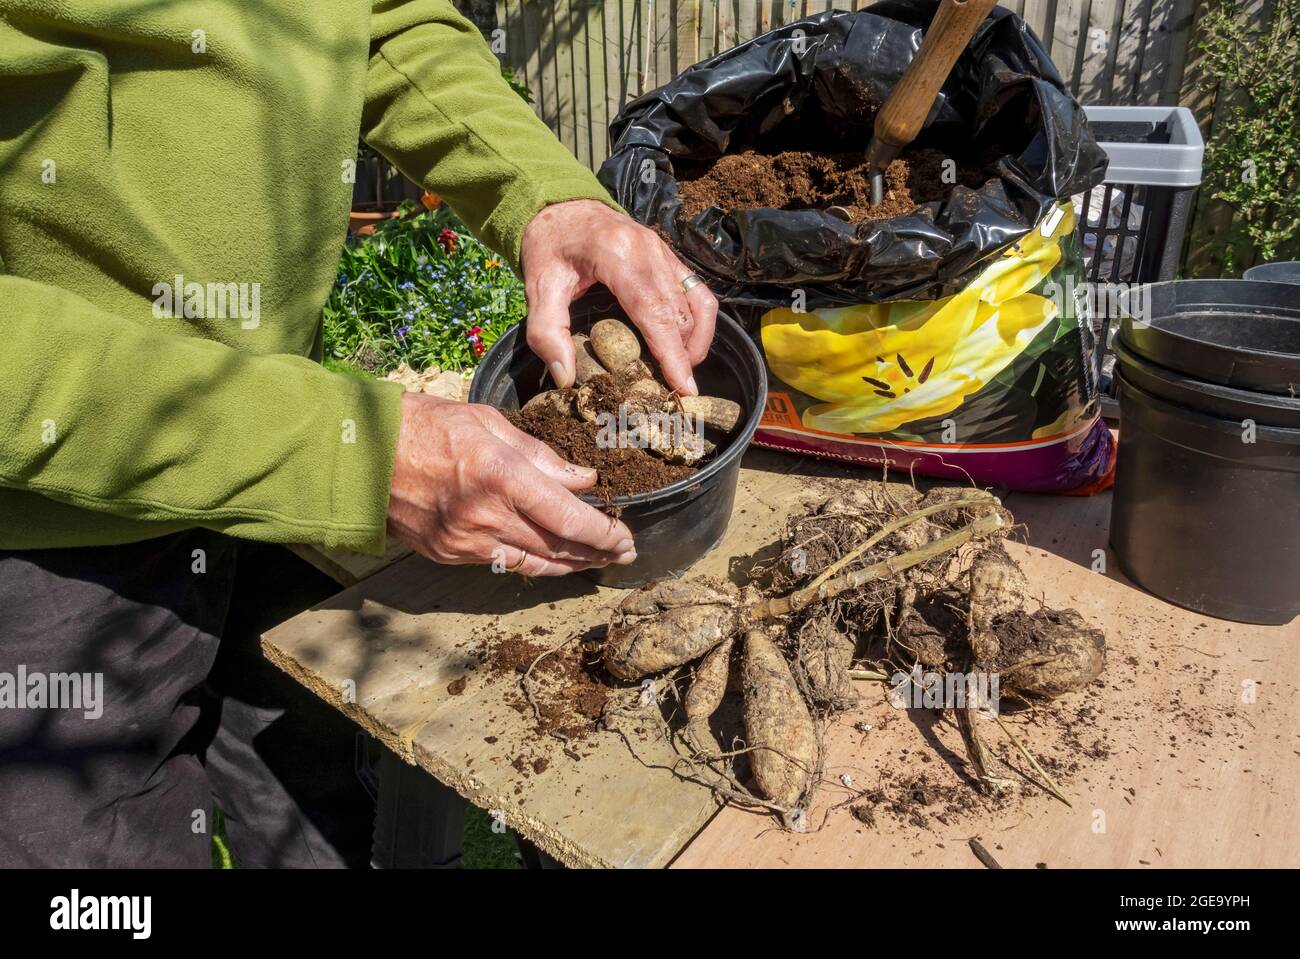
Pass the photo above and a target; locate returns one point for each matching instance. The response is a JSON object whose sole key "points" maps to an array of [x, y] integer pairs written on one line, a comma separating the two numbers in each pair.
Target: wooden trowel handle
{"points": [[910, 102]]}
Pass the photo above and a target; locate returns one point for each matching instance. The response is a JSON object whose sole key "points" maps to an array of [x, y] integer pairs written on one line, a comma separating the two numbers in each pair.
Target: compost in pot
{"points": [[622, 421]]}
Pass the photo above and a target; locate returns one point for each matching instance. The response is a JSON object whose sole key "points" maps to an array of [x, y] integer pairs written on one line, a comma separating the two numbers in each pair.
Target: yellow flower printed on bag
{"points": [[877, 367]]}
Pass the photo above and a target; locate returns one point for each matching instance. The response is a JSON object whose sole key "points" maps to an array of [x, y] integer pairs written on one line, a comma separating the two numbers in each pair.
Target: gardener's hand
{"points": [[569, 247], [470, 488]]}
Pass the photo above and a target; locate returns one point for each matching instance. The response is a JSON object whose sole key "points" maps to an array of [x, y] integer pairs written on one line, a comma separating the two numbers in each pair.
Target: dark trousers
{"points": [[192, 714]]}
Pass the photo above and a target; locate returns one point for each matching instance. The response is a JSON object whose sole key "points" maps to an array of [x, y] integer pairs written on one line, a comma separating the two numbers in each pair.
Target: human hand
{"points": [[569, 247], [470, 488]]}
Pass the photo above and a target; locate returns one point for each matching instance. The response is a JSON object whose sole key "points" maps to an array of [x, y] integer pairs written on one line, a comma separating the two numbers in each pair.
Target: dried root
{"points": [[587, 364], [615, 385], [822, 656], [778, 725], [997, 588], [1048, 653], [712, 411], [916, 579], [563, 401], [614, 344], [668, 624], [708, 687]]}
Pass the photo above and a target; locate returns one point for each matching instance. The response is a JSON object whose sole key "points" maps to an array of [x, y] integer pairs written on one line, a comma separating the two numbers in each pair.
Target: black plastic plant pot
{"points": [[1264, 409], [1206, 509], [677, 525], [1235, 333]]}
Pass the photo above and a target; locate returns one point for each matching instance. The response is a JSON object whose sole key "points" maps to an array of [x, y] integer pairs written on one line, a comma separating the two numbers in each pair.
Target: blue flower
{"points": [[408, 285], [402, 331]]}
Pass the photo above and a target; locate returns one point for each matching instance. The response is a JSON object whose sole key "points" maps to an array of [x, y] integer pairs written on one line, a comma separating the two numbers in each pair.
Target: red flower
{"points": [[448, 239], [475, 337]]}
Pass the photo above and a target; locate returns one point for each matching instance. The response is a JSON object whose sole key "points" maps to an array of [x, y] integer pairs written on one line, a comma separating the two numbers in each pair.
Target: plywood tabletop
{"points": [[1193, 775]]}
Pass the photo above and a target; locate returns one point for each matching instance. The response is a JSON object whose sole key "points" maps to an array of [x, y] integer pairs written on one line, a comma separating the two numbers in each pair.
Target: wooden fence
{"points": [[583, 59]]}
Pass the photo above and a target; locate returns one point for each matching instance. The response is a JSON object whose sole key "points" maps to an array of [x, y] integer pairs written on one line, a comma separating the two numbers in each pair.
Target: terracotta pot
{"points": [[364, 222]]}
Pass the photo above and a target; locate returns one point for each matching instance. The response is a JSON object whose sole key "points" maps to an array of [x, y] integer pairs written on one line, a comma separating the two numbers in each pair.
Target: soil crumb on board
{"points": [[911, 787], [799, 180], [620, 471], [922, 799], [568, 687]]}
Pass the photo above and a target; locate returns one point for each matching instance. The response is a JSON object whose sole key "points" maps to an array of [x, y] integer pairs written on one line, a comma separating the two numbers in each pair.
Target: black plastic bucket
{"points": [[1245, 335], [1287, 271], [1263, 408], [674, 526], [1206, 508]]}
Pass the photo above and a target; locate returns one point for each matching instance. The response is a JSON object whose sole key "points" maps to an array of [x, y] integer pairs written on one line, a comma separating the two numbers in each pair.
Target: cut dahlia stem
{"points": [[784, 605], [868, 675], [892, 527]]}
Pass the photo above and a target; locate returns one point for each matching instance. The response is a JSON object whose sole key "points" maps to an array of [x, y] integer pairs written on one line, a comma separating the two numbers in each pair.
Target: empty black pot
{"points": [[1202, 518], [1265, 409], [678, 524], [1236, 333], [1206, 508]]}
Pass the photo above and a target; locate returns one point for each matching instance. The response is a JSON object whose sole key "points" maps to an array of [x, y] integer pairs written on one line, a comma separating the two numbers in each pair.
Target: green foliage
{"points": [[422, 290], [508, 75], [221, 856], [485, 849], [1253, 161]]}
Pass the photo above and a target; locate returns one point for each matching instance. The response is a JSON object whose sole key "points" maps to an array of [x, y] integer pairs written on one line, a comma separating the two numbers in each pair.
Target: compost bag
{"points": [[953, 340]]}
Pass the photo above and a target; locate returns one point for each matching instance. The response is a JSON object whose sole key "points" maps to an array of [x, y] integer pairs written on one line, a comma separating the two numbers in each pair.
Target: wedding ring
{"points": [[691, 282], [523, 558]]}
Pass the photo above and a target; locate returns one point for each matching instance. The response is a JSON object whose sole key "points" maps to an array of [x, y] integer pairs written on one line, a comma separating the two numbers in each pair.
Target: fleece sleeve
{"points": [[108, 415], [437, 107]]}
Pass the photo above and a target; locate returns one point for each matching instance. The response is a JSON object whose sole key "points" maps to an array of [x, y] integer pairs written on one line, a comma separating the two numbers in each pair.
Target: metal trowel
{"points": [[910, 102]]}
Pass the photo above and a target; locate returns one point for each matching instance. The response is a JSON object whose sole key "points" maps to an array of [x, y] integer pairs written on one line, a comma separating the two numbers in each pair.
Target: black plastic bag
{"points": [[946, 341], [820, 80]]}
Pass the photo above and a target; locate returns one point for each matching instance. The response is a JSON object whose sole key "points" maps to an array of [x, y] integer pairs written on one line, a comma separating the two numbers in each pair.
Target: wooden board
{"points": [[1196, 776], [347, 567], [385, 651]]}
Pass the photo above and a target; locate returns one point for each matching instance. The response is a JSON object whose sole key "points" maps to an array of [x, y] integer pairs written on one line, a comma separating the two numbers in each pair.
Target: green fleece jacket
{"points": [[174, 195]]}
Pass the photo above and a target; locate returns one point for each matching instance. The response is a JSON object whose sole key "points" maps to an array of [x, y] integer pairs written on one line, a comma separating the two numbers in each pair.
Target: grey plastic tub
{"points": [[1133, 225], [1287, 271], [1155, 156]]}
